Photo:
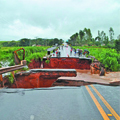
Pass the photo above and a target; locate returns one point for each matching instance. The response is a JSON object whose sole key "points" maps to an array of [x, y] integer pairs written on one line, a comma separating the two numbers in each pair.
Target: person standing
{"points": [[71, 51], [79, 53], [56, 52], [75, 52], [53, 52], [59, 53]]}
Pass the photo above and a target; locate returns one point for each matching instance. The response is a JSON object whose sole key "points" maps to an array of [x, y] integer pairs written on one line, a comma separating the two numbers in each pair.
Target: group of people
{"points": [[79, 52], [57, 52]]}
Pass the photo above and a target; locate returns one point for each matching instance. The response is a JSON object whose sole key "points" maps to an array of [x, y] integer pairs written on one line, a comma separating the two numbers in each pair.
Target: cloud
{"points": [[56, 18]]}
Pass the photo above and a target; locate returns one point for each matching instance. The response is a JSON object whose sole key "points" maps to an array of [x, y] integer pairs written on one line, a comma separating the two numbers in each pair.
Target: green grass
{"points": [[6, 53], [107, 56]]}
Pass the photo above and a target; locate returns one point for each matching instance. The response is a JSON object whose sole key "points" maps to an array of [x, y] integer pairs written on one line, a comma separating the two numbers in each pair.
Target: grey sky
{"points": [[57, 18]]}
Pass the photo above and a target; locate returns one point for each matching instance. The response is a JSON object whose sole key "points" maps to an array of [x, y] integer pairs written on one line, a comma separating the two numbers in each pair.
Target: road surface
{"points": [[60, 103], [66, 51]]}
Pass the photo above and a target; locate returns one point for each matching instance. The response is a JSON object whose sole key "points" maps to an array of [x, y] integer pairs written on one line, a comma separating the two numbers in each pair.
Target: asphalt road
{"points": [[59, 103], [66, 51]]}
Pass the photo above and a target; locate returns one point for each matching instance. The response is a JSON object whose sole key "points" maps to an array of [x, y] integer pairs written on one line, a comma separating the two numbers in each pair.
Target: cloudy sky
{"points": [[57, 18]]}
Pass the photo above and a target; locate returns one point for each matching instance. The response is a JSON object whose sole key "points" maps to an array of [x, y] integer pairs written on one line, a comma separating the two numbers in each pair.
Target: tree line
{"points": [[31, 42], [84, 37]]}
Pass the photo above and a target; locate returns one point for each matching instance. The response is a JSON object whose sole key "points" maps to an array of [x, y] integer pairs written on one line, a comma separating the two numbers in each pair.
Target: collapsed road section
{"points": [[60, 71], [37, 78]]}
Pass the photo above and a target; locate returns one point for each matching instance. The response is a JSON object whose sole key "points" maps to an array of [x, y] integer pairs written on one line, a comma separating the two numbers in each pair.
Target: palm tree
{"points": [[73, 38], [81, 33], [111, 32], [88, 35]]}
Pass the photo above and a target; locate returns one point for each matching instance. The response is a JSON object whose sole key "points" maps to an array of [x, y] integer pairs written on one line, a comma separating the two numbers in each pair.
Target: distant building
{"points": [[39, 45], [34, 45]]}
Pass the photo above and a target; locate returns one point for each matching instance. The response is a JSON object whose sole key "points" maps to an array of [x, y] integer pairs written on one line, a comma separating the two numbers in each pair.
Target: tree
{"points": [[39, 41], [12, 43], [97, 38], [81, 34], [93, 41], [88, 35], [102, 38], [106, 40], [78, 41], [73, 38], [5, 44], [51, 42], [24, 42], [60, 41], [102, 35], [118, 37], [56, 41], [111, 33], [97, 43], [85, 35], [76, 36], [117, 45]]}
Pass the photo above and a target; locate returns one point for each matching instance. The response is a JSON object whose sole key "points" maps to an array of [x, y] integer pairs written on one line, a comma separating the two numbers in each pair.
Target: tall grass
{"points": [[7, 53]]}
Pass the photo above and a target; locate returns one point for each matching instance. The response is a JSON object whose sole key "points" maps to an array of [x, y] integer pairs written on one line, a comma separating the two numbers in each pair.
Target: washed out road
{"points": [[92, 102]]}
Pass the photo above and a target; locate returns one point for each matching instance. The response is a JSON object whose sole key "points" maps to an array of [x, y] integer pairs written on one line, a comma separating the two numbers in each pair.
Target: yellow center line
{"points": [[102, 112], [107, 104]]}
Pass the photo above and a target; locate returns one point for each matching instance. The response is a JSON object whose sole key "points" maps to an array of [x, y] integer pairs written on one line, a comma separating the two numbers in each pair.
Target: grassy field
{"points": [[107, 56], [110, 58], [6, 53]]}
